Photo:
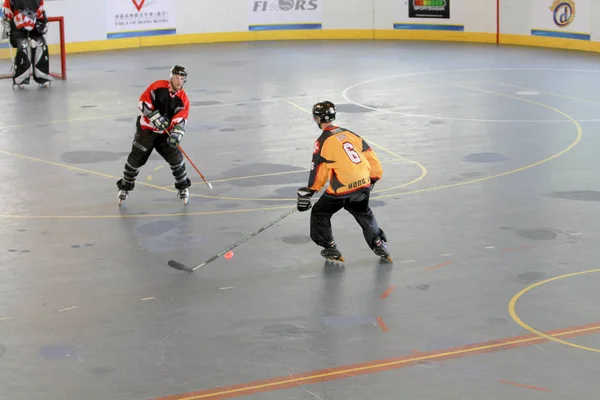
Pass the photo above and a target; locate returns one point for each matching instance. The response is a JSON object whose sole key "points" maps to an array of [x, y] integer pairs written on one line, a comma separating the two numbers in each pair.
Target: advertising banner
{"points": [[134, 18], [431, 15], [273, 15], [569, 19], [429, 9]]}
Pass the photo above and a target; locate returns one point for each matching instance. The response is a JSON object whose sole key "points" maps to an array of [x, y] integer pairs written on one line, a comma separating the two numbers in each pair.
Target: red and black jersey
{"points": [[175, 107], [345, 160], [24, 13]]}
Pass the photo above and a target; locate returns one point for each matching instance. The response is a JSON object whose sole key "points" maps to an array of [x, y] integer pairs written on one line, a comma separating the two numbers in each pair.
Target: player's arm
{"points": [[182, 112], [319, 169], [376, 168], [180, 117], [317, 177], [148, 108], [7, 16], [41, 22], [7, 11], [41, 12]]}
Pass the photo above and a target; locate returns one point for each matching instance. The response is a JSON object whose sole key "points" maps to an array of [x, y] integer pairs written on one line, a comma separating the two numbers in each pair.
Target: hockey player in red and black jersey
{"points": [[165, 108], [351, 166], [25, 23]]}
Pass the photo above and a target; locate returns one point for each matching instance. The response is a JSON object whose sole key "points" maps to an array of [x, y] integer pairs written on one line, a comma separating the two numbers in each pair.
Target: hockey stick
{"points": [[182, 267], [191, 162], [193, 165]]}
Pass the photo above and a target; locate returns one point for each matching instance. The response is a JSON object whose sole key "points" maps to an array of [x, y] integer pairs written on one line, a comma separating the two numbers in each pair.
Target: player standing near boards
{"points": [[350, 165], [25, 23], [165, 108]]}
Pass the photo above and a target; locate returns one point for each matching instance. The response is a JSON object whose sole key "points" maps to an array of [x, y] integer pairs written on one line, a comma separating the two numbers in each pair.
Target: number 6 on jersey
{"points": [[352, 154]]}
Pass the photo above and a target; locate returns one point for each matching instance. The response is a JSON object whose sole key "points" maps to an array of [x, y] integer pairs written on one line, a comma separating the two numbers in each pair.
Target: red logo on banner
{"points": [[138, 4]]}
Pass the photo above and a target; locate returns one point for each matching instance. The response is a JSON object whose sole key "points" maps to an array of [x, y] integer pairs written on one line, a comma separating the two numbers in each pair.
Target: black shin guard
{"points": [[40, 60], [22, 64], [143, 144], [180, 175]]}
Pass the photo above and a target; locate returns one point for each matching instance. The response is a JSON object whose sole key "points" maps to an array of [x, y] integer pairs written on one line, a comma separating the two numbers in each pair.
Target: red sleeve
{"points": [[7, 10], [41, 12], [146, 105], [182, 112]]}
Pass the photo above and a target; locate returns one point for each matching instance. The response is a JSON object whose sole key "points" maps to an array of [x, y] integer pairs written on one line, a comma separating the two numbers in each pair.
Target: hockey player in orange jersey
{"points": [[351, 166]]}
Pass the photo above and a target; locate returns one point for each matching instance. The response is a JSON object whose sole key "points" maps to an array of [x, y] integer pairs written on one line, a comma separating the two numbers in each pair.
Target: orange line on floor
{"points": [[438, 265], [371, 367], [388, 292], [526, 386]]}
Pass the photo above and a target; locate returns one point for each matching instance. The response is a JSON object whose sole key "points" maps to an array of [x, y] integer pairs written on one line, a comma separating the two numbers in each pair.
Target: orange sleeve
{"points": [[376, 168], [319, 170]]}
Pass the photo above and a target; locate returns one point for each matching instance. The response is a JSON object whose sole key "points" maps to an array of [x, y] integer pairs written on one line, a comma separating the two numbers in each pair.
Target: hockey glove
{"points": [[158, 120], [41, 26], [304, 195], [175, 136]]}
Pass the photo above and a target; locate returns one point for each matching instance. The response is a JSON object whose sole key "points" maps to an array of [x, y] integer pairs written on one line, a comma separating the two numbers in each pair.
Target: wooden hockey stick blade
{"points": [[179, 266]]}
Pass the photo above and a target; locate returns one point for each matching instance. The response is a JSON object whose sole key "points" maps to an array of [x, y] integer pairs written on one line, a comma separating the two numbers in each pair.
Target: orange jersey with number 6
{"points": [[345, 160]]}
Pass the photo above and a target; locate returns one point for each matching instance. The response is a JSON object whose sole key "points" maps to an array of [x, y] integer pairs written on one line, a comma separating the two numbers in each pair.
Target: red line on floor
{"points": [[346, 371], [382, 324], [438, 265], [388, 292], [525, 386]]}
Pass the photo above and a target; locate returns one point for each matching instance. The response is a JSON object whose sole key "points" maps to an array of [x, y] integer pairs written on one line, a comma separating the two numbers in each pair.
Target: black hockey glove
{"points": [[175, 136], [158, 120], [304, 195], [41, 26]]}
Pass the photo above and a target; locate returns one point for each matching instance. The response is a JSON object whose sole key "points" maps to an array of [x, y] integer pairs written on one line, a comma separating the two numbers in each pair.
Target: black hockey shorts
{"points": [[326, 206]]}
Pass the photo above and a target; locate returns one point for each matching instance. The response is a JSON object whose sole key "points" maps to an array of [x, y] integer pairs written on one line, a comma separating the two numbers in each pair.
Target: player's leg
{"points": [[22, 64], [40, 59], [174, 157], [141, 148], [358, 206], [320, 226]]}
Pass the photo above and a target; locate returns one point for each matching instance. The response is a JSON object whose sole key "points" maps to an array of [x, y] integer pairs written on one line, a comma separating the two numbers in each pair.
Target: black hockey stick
{"points": [[183, 267]]}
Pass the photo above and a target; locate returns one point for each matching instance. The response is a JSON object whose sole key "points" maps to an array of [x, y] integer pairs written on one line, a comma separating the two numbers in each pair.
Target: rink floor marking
{"points": [[371, 367]]}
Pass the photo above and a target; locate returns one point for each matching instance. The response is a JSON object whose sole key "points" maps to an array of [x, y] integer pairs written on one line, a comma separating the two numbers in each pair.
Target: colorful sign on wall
{"points": [[430, 15], [568, 19], [134, 18], [429, 9], [273, 15]]}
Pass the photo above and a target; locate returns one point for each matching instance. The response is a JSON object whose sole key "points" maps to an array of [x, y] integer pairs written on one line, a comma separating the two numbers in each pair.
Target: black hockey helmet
{"points": [[324, 112], [179, 70]]}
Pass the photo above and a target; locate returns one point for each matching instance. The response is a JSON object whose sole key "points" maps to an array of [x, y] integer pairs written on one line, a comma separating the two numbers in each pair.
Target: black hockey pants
{"points": [[358, 206], [144, 142], [39, 57]]}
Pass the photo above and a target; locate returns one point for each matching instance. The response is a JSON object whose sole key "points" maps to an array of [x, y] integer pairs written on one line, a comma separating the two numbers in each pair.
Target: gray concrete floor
{"points": [[490, 188]]}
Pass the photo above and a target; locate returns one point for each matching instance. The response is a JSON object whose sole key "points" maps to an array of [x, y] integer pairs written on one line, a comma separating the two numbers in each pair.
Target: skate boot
{"points": [[332, 253], [184, 195], [122, 196], [381, 250]]}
